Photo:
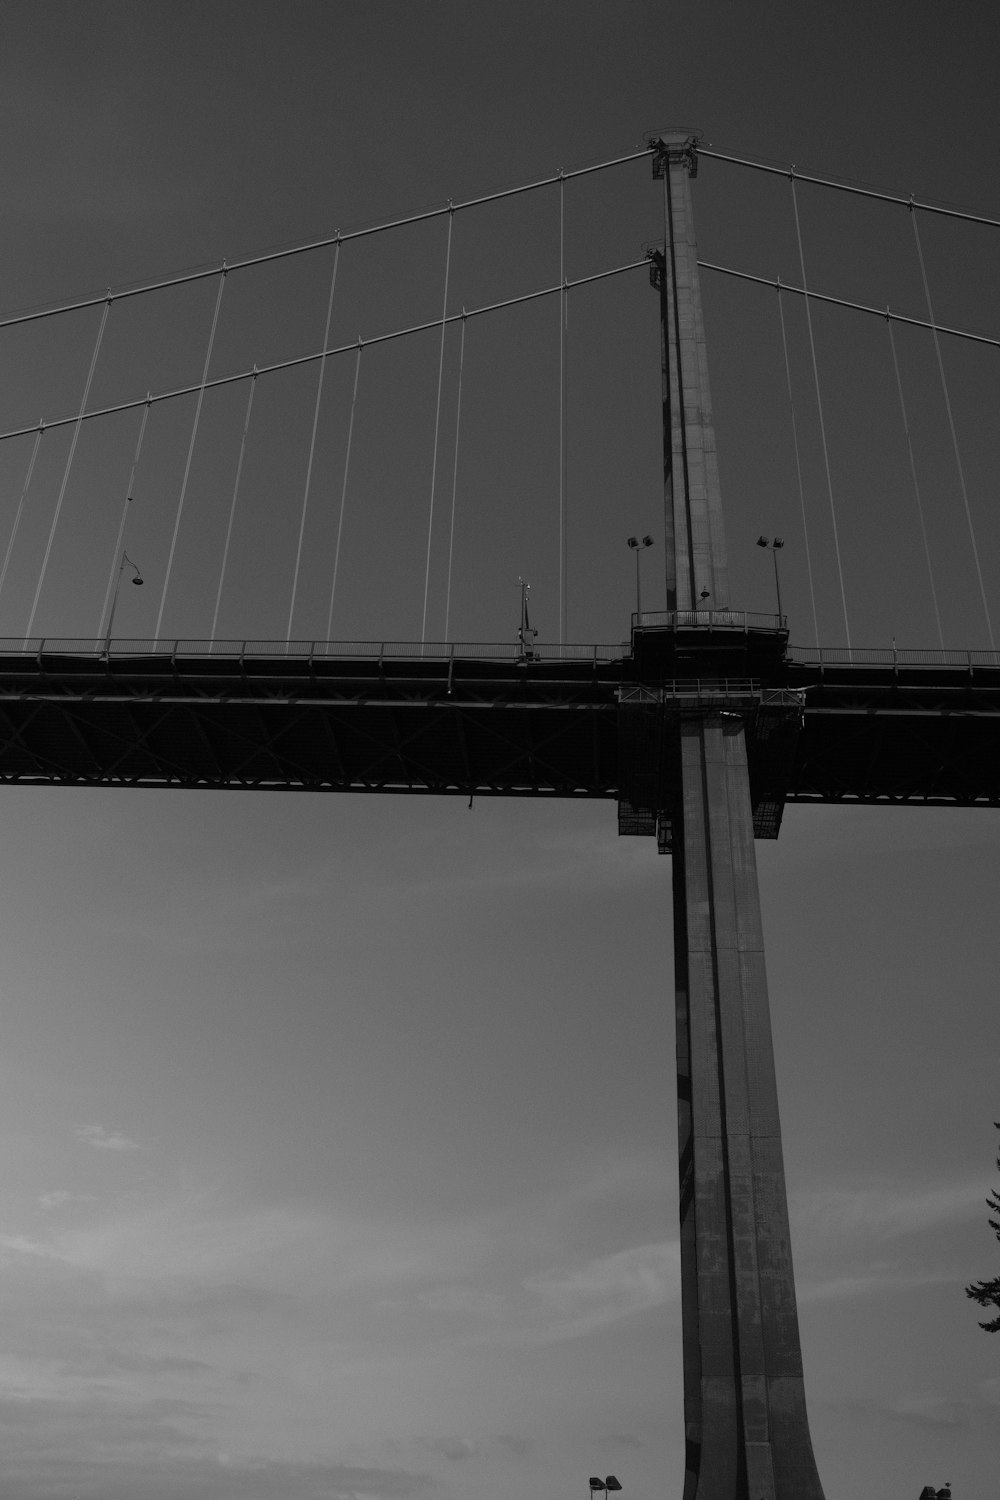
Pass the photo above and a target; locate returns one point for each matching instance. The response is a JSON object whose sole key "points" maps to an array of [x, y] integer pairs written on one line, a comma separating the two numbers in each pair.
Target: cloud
{"points": [[21, 1245], [844, 1288], [606, 1289], [455, 1448], [463, 1299], [105, 1140], [917, 1409], [60, 1196], [883, 1210], [519, 1446]]}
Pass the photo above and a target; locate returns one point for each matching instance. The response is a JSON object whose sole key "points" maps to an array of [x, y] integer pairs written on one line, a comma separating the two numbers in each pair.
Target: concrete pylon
{"points": [[695, 554], [747, 1431]]}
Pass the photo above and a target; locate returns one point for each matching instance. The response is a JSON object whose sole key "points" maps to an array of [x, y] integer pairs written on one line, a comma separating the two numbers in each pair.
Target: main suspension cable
{"points": [[822, 423], [865, 307], [232, 509], [305, 246], [69, 464], [954, 436], [861, 192], [308, 359], [437, 427], [190, 452], [798, 465], [120, 539], [916, 483], [312, 440]]}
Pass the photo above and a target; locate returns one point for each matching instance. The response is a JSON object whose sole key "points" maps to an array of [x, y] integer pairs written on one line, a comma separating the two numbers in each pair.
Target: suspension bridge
{"points": [[395, 481]]}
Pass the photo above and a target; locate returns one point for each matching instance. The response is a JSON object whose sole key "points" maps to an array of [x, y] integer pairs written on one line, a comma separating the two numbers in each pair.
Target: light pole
{"points": [[525, 634], [137, 580], [605, 1486], [774, 547], [638, 547]]}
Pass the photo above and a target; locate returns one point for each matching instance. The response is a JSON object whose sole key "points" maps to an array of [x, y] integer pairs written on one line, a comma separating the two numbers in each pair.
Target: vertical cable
{"points": [[562, 409], [343, 491], [232, 505], [437, 423], [190, 452], [120, 539], [951, 425], [819, 410], [312, 440], [20, 504], [798, 463], [913, 476], [454, 480], [69, 462]]}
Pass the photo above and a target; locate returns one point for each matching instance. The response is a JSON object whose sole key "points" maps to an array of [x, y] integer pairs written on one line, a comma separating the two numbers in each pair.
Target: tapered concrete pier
{"points": [[744, 1402]]}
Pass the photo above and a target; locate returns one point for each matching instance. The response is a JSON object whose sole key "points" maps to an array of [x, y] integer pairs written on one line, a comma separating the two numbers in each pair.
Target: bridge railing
{"points": [[500, 651], [890, 656], [707, 619], [318, 651]]}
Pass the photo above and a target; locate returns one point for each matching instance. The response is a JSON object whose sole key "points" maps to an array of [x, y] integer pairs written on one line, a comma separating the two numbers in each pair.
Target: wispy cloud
{"points": [[105, 1140], [883, 1209], [21, 1245], [454, 1448], [59, 1197], [865, 1284], [573, 1302]]}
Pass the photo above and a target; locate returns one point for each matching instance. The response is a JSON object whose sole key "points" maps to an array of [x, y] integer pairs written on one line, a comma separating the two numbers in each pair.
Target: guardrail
{"points": [[890, 656], [318, 651], [707, 619], [500, 651]]}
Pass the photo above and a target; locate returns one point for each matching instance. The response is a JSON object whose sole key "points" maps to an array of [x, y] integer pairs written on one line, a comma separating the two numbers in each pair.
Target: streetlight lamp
{"points": [[774, 546], [137, 580], [525, 634], [638, 547], [608, 1485]]}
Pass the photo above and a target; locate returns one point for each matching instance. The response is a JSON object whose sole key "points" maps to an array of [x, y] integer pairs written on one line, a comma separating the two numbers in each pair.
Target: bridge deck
{"points": [[870, 731]]}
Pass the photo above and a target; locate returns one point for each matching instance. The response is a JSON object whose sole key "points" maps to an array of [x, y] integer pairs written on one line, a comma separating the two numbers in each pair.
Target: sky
{"points": [[339, 1146]]}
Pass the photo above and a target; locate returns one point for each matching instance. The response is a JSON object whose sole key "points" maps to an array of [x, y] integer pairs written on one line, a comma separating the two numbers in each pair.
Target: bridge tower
{"points": [[747, 1432]]}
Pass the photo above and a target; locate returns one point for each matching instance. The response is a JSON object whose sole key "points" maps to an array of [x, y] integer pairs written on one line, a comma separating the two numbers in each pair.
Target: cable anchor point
{"points": [[677, 144]]}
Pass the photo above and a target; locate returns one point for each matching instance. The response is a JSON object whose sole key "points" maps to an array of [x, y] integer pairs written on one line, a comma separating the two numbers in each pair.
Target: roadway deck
{"points": [[874, 727]]}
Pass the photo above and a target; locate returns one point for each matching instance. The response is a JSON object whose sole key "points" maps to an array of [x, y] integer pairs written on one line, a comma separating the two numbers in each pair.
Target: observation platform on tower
{"points": [[883, 726]]}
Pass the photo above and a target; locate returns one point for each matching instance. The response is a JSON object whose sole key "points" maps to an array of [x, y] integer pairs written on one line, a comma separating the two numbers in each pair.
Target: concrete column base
{"points": [[744, 1403]]}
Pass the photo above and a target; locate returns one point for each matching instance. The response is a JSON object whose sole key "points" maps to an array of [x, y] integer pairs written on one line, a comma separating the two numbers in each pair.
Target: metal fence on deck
{"points": [[310, 650], [500, 651]]}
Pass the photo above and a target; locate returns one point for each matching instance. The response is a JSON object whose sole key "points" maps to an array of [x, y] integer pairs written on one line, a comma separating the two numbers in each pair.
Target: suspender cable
{"points": [[20, 504], [232, 509], [798, 465], [913, 476], [562, 410], [454, 482], [819, 410], [437, 426], [312, 440], [343, 491], [69, 464], [120, 539], [951, 426], [190, 452]]}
